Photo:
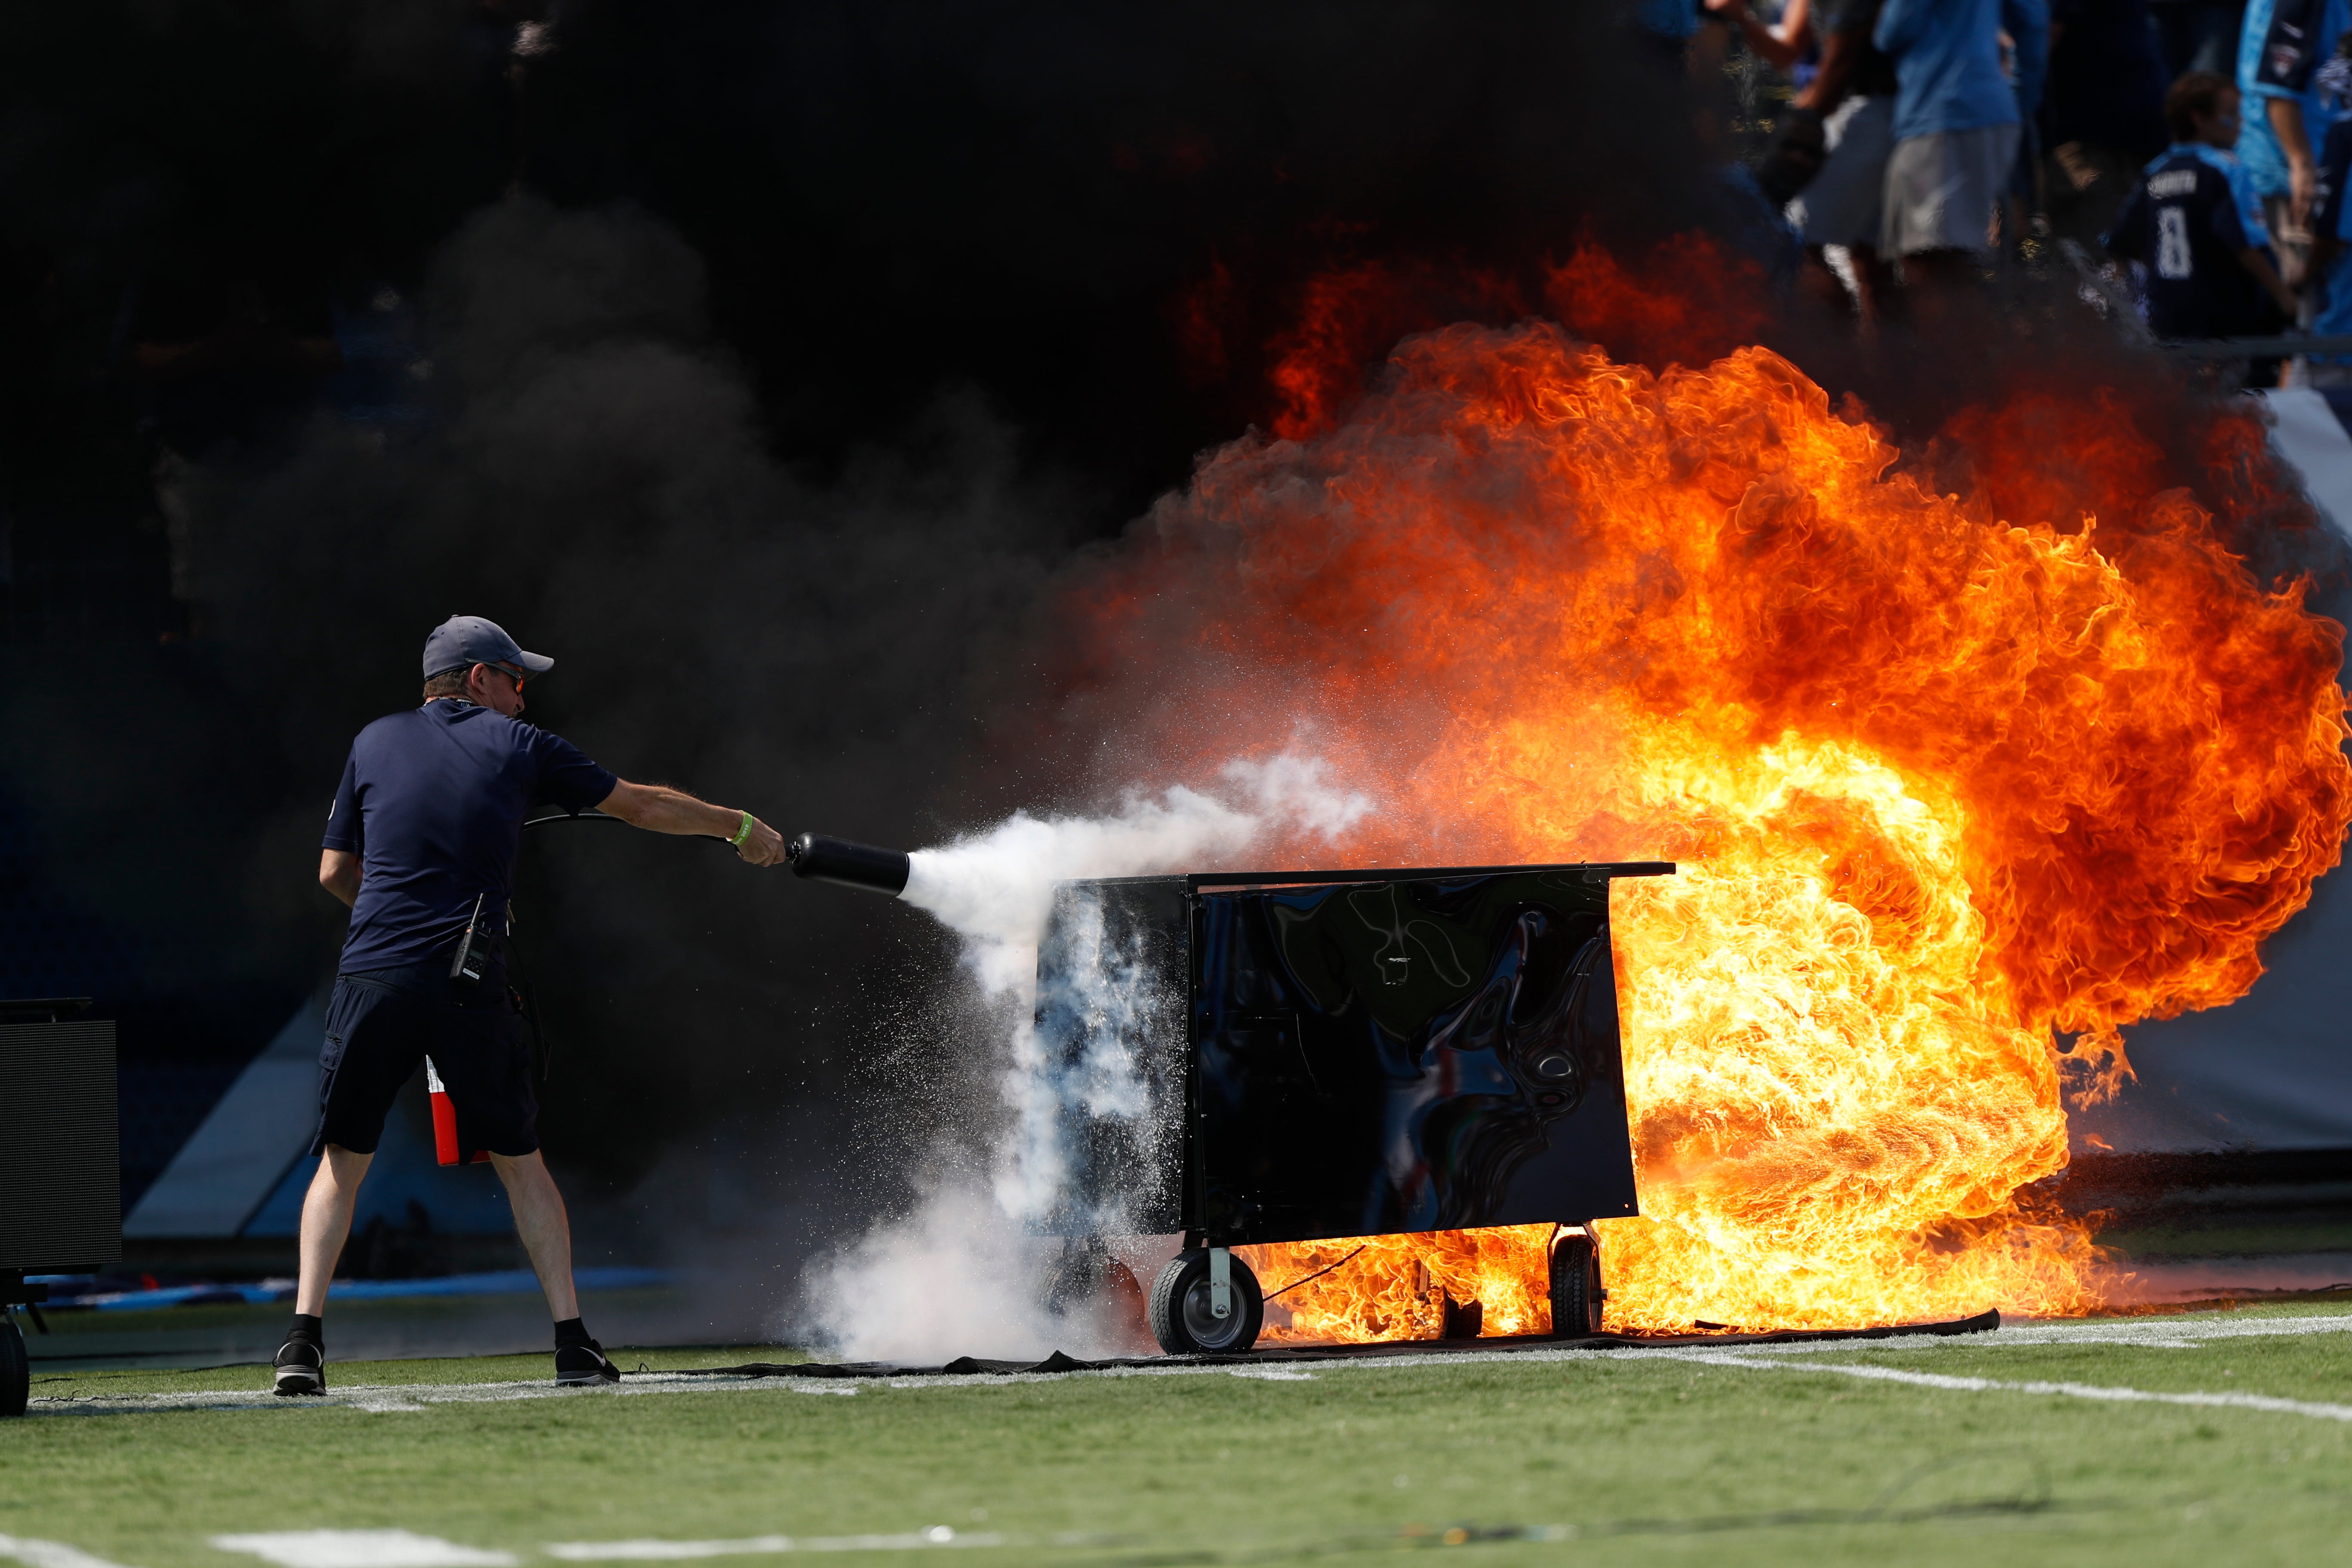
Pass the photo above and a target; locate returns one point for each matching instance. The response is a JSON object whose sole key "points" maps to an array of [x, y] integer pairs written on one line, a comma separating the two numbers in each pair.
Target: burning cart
{"points": [[1281, 1056]]}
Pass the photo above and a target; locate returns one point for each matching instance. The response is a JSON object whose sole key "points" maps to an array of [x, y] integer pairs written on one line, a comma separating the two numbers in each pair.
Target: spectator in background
{"points": [[2028, 70], [1782, 44], [2197, 35], [1956, 127], [2103, 116], [1668, 24], [2279, 53], [2331, 240], [2191, 223], [1851, 100]]}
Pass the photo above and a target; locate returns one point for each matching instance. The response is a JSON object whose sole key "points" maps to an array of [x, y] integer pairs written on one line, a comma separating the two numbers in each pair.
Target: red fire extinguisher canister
{"points": [[444, 1122]]}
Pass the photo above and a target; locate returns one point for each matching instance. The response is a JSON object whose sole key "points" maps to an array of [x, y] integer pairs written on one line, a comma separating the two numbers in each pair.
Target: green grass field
{"points": [[2190, 1439]]}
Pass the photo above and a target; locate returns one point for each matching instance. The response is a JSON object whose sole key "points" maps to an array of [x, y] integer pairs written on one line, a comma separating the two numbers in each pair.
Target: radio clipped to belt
{"points": [[472, 963], [445, 1123], [472, 959]]}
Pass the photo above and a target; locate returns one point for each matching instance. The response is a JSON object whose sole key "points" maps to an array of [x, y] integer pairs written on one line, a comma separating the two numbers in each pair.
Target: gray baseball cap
{"points": [[463, 641]]}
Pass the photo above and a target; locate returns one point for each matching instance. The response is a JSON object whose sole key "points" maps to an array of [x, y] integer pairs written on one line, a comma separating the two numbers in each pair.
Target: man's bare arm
{"points": [[339, 873], [1841, 55], [657, 808], [2294, 141], [1778, 46]]}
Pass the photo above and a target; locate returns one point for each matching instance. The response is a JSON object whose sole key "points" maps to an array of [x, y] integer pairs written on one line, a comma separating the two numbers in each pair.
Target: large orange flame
{"points": [[1945, 774]]}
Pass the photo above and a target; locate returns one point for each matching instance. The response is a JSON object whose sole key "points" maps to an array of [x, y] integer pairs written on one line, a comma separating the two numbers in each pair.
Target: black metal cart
{"points": [[61, 1194], [1271, 1056]]}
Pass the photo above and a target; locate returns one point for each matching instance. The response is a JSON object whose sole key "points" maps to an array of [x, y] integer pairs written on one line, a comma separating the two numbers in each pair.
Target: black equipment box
{"points": [[1258, 1058], [60, 1193]]}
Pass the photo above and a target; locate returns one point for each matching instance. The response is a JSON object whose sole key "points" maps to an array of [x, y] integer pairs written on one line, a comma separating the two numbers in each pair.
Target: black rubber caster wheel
{"points": [[1180, 1319], [1089, 1283], [15, 1367], [1576, 1292], [1085, 1274]]}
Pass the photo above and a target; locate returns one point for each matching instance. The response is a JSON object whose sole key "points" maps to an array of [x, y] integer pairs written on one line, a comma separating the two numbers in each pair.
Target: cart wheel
{"points": [[15, 1367], [1090, 1281], [1575, 1287], [1180, 1319], [1076, 1276]]}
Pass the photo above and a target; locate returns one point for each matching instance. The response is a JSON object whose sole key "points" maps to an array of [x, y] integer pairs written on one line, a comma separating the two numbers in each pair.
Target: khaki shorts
{"points": [[1841, 205], [1941, 189]]}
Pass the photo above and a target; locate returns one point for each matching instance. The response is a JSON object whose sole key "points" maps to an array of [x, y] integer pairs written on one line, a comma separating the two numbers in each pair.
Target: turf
{"points": [[1648, 1458]]}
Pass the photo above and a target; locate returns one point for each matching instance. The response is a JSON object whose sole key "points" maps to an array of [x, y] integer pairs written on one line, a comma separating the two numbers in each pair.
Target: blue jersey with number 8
{"points": [[2184, 225]]}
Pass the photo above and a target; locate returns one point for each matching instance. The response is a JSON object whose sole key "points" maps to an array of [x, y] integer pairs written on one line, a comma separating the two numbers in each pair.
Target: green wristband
{"points": [[743, 831]]}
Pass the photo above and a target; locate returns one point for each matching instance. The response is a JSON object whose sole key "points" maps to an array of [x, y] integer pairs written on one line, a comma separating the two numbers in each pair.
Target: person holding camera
{"points": [[421, 843]]}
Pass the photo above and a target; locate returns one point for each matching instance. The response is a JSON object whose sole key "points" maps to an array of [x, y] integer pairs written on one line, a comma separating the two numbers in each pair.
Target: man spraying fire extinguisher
{"points": [[421, 843]]}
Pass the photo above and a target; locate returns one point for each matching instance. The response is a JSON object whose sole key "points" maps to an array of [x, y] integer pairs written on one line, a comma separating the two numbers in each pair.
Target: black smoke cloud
{"points": [[597, 477], [771, 359]]}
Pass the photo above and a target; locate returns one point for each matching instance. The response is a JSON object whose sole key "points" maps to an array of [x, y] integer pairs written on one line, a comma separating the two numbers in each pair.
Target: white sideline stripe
{"points": [[49, 1553], [2184, 1331], [674, 1551], [2181, 1328], [2069, 1390], [407, 1397], [362, 1549]]}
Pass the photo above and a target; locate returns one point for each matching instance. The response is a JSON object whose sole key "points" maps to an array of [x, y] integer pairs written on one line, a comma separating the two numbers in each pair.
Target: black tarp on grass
{"points": [[965, 1366]]}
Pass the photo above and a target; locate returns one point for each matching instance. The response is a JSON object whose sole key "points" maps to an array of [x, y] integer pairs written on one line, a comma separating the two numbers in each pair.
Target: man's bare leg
{"points": [[545, 1228], [1872, 281], [546, 1232], [1944, 290], [301, 1363], [327, 1224], [1820, 280]]}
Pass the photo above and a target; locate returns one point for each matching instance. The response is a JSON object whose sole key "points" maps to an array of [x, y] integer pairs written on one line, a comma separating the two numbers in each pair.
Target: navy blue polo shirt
{"points": [[432, 802]]}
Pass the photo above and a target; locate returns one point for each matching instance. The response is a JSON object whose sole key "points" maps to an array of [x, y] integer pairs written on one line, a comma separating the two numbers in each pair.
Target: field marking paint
{"points": [[663, 1550], [362, 1549], [2184, 1333], [2187, 1330], [1271, 1374], [676, 1551], [49, 1553], [378, 1399], [2069, 1390]]}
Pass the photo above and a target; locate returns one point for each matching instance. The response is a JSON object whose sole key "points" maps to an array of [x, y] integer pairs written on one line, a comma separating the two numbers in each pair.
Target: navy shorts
{"points": [[381, 1026]]}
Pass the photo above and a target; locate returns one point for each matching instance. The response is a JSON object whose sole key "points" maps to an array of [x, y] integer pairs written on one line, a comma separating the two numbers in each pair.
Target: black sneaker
{"points": [[584, 1366], [301, 1368]]}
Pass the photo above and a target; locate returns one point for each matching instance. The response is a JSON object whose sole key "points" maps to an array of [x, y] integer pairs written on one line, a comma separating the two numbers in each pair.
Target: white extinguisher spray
{"points": [[445, 1123]]}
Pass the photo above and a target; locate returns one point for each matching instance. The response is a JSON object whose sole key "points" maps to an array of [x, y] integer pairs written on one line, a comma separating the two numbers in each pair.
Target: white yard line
{"points": [[2067, 1390], [405, 1549], [362, 1549], [2162, 1331], [49, 1553], [405, 1397], [2165, 1332], [676, 1551]]}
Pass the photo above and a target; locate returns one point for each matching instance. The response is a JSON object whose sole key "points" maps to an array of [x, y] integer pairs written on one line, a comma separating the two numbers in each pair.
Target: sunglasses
{"points": [[514, 675]]}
